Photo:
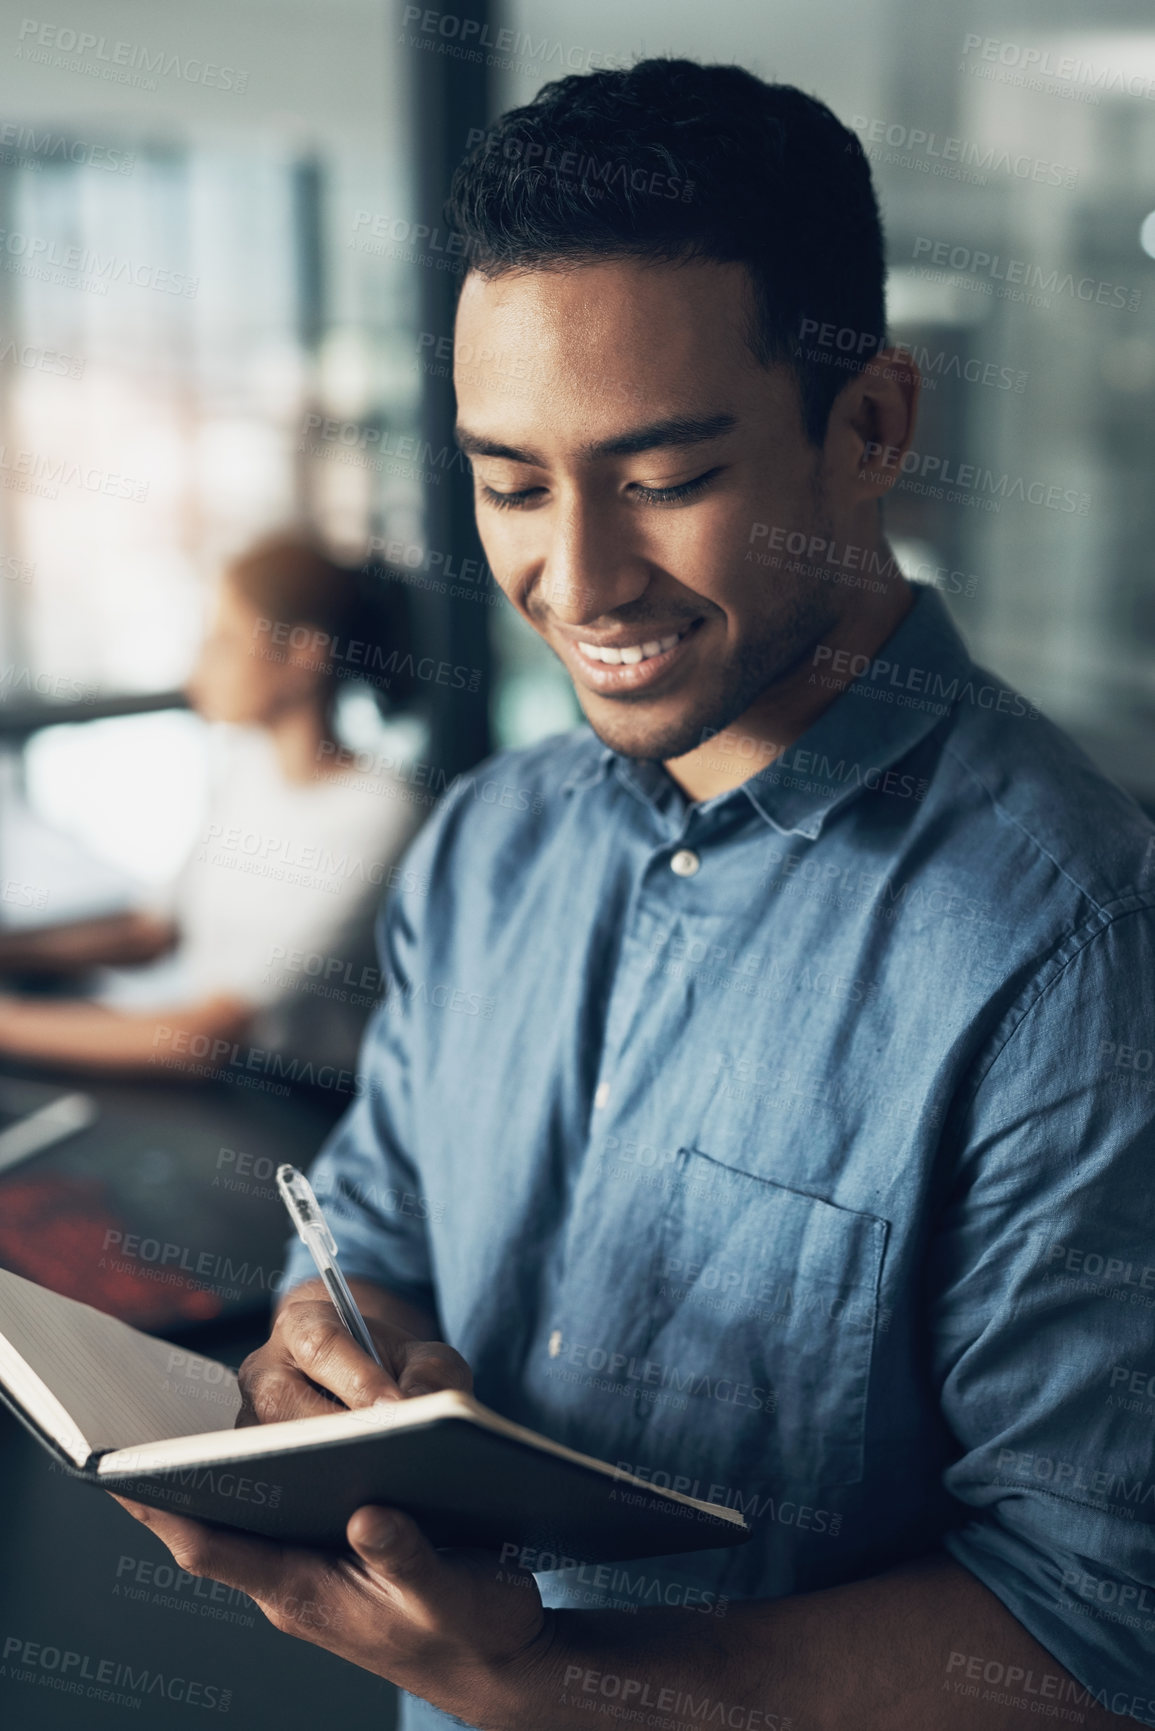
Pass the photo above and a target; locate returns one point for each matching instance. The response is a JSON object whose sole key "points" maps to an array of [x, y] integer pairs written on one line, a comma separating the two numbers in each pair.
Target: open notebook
{"points": [[131, 1413]]}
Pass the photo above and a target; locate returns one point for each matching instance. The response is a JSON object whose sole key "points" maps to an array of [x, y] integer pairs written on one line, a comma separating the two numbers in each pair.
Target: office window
{"points": [[202, 335], [169, 389]]}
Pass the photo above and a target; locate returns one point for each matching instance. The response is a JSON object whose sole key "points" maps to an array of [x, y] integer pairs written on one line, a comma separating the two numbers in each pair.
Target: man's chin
{"points": [[628, 730]]}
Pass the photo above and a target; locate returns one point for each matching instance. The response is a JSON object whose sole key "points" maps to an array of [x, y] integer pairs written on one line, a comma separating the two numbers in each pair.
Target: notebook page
{"points": [[119, 1387]]}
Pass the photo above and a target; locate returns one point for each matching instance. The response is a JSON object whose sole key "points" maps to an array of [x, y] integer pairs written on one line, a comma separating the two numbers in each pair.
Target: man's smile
{"points": [[627, 662]]}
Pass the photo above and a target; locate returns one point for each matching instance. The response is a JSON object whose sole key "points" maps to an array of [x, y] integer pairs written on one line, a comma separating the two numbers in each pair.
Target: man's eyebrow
{"points": [[476, 445], [675, 430]]}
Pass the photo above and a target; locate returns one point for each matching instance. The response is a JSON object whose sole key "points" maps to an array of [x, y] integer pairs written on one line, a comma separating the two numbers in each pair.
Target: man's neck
{"points": [[784, 713]]}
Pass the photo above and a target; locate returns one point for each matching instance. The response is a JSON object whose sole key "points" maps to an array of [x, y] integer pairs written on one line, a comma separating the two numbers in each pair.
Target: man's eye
{"points": [[509, 501], [673, 495], [678, 495]]}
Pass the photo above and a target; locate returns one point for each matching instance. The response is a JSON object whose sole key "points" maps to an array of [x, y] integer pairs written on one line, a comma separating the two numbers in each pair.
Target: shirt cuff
{"points": [[1095, 1619]]}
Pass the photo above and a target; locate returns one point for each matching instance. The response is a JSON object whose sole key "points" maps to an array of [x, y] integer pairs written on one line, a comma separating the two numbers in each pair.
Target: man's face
{"points": [[624, 442]]}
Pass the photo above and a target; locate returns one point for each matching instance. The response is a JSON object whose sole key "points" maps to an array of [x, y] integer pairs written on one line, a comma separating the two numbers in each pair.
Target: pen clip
{"points": [[304, 1209]]}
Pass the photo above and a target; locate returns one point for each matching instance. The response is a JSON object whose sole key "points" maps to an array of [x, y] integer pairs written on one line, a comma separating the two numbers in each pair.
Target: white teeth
{"points": [[630, 656]]}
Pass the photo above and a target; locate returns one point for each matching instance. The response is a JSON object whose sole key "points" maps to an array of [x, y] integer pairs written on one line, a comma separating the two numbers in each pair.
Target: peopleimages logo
{"points": [[846, 347], [465, 38], [174, 1589], [584, 171], [1023, 275], [632, 1375], [631, 1591], [1032, 65], [752, 1506], [1064, 1476], [40, 360], [119, 62], [60, 1668], [667, 1706], [356, 657], [58, 686], [888, 677], [30, 149], [222, 1060], [286, 859], [1039, 1692], [23, 894], [935, 153], [939, 477], [1131, 1600], [208, 1265], [33, 471], [88, 267]]}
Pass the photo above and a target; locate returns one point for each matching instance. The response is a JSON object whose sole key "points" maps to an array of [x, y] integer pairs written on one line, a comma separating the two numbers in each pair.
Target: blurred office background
{"points": [[255, 331], [226, 303]]}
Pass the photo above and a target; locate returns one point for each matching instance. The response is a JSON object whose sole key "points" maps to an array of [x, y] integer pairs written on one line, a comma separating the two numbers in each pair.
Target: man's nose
{"points": [[589, 568]]}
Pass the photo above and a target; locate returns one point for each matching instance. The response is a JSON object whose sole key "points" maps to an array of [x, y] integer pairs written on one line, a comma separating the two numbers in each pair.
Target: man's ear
{"points": [[871, 428]]}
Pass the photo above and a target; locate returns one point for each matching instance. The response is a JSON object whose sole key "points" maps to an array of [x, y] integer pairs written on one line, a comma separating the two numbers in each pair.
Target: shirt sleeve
{"points": [[366, 1176], [1042, 1318]]}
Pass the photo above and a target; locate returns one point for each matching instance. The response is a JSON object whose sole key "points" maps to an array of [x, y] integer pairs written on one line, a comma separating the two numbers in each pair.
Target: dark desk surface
{"points": [[77, 1574], [164, 1212]]}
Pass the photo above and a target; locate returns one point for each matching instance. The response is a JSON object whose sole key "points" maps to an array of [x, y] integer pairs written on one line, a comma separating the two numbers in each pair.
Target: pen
{"points": [[313, 1231]]}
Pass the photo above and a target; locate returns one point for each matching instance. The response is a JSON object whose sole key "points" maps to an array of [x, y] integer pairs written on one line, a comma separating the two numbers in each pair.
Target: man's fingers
{"points": [[309, 1346], [430, 1366], [291, 1586], [312, 1361], [272, 1392], [138, 1511], [393, 1545], [327, 1354], [234, 1558]]}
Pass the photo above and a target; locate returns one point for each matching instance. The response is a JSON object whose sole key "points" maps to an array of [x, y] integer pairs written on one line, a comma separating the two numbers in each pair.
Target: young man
{"points": [[767, 1066]]}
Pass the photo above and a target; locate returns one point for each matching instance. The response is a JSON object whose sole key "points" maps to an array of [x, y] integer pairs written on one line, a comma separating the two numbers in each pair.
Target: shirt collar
{"points": [[910, 684], [907, 688]]}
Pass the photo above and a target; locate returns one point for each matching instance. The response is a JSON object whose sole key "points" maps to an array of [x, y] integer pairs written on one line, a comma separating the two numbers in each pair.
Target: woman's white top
{"points": [[276, 903]]}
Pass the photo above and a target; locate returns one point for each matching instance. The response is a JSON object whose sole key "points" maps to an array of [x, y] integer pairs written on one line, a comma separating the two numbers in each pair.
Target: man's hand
{"points": [[310, 1365], [453, 1626]]}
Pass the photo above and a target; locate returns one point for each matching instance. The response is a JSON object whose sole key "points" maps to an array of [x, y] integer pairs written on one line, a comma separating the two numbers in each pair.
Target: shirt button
{"points": [[602, 1095], [685, 863]]}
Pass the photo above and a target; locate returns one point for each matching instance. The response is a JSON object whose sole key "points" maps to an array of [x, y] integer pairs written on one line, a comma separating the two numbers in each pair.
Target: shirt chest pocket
{"points": [[763, 1315]]}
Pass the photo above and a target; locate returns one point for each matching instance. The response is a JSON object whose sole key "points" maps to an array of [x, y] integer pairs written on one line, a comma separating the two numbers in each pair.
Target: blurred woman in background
{"points": [[266, 937]]}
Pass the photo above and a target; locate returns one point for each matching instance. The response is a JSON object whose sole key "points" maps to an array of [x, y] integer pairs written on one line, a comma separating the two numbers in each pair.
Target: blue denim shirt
{"points": [[795, 1148]]}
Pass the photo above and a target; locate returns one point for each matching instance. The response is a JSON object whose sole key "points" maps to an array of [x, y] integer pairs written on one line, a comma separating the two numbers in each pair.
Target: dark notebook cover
{"points": [[464, 1483], [467, 1475]]}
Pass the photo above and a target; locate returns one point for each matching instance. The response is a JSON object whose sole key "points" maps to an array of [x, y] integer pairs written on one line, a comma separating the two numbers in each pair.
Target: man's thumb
{"points": [[391, 1543]]}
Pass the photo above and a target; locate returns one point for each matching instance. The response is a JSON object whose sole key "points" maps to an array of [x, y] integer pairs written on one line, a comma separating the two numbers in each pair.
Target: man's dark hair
{"points": [[670, 161]]}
